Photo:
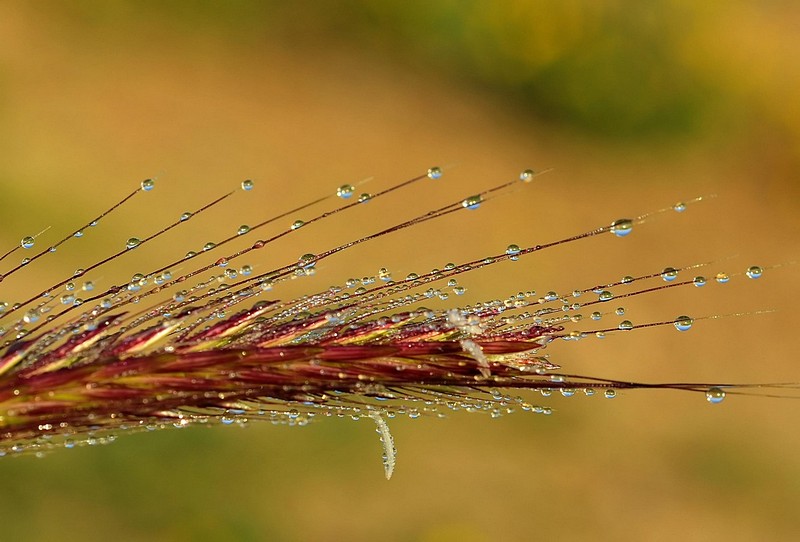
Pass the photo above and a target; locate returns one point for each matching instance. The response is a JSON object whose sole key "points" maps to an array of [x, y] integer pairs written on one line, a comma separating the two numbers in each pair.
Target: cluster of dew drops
{"points": [[619, 228]]}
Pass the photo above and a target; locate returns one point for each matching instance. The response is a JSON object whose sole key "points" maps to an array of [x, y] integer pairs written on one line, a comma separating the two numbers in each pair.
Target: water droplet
{"points": [[679, 207], [527, 175], [627, 279], [435, 173], [345, 191], [754, 272], [244, 228], [297, 224], [625, 325], [365, 197], [715, 395], [78, 234], [148, 185], [30, 317], [683, 323], [596, 315], [247, 185], [722, 278], [472, 202], [133, 242], [27, 242], [88, 286], [246, 270], [669, 274], [605, 295], [622, 227], [610, 394], [208, 246], [620, 311], [307, 261], [186, 216], [513, 250], [699, 281]]}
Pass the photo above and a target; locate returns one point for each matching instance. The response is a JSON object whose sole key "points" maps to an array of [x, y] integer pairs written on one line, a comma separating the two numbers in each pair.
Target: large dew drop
{"points": [[27, 242], [345, 191], [472, 202], [513, 251], [753, 272], [669, 274], [133, 242], [307, 261], [527, 175], [622, 227], [435, 173], [715, 395], [683, 323], [247, 185], [148, 185]]}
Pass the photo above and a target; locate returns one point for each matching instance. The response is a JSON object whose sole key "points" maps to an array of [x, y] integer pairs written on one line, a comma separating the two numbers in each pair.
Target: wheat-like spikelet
{"points": [[162, 350]]}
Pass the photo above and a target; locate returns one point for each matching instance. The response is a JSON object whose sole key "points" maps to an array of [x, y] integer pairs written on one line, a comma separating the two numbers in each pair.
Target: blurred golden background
{"points": [[635, 105]]}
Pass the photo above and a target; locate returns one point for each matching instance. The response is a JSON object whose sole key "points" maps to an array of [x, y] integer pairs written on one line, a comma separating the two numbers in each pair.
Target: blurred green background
{"points": [[636, 105]]}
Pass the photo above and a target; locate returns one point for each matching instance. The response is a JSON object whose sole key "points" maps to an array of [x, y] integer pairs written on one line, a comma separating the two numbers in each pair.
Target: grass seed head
{"points": [[215, 342]]}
